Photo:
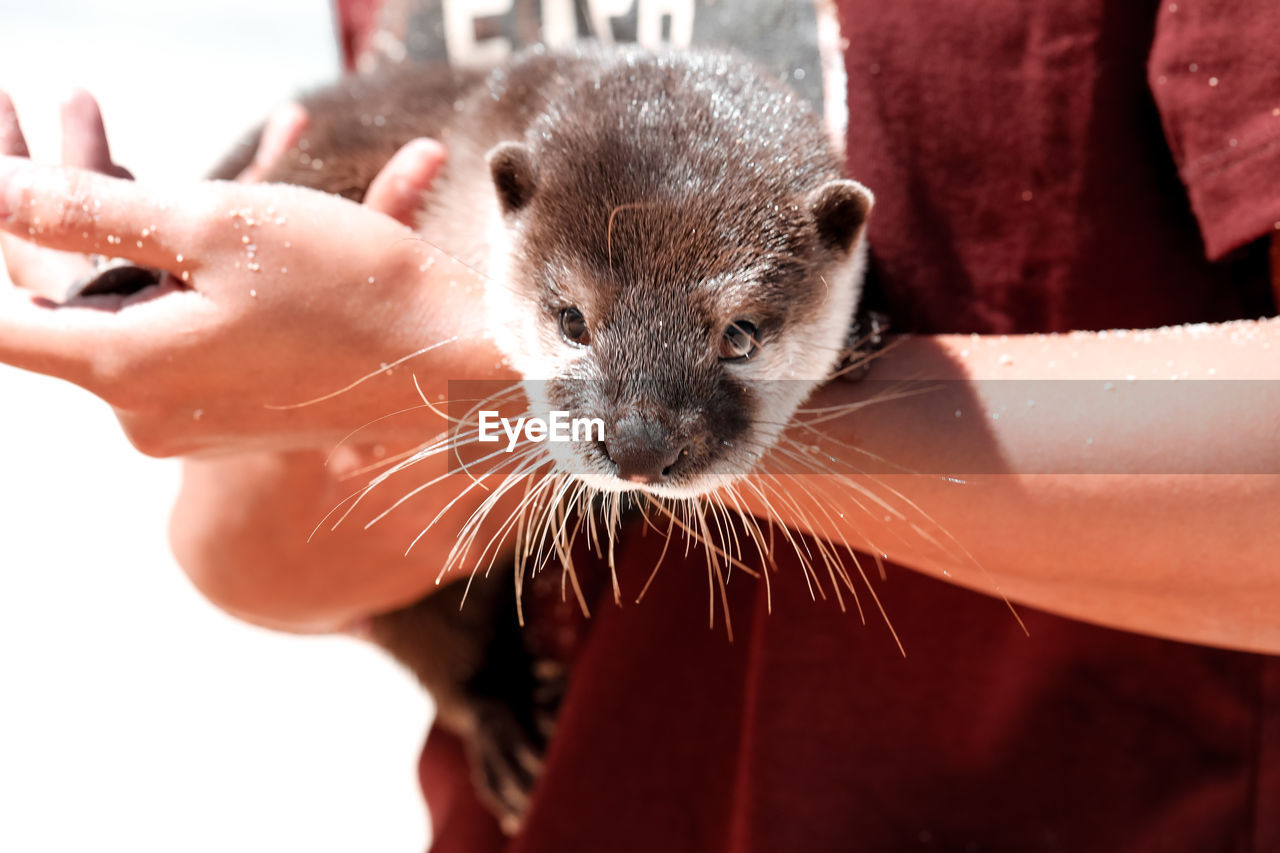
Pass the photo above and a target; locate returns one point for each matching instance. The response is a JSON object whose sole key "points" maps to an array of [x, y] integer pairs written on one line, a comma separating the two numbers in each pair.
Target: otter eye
{"points": [[740, 341], [574, 327]]}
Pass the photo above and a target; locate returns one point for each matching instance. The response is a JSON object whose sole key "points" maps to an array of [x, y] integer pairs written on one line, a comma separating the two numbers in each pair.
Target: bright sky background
{"points": [[134, 716]]}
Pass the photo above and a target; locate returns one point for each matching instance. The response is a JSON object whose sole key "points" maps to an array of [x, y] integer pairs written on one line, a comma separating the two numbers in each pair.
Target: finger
{"points": [[42, 271], [12, 142], [80, 211], [282, 131], [84, 138], [69, 342], [399, 188]]}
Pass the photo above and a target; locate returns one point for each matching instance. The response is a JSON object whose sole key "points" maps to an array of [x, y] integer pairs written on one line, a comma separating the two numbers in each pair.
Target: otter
{"points": [[670, 246]]}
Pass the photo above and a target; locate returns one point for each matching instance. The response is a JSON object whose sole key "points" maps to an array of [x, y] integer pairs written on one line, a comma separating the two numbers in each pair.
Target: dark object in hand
{"points": [[115, 277]]}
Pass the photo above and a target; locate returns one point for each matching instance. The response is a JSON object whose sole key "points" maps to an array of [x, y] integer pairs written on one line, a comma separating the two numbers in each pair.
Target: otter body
{"points": [[669, 246]]}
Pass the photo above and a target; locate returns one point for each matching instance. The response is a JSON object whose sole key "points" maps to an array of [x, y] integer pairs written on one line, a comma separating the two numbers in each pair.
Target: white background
{"points": [[134, 716]]}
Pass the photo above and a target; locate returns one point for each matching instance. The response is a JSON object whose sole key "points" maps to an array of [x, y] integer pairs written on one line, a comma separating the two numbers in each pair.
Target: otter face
{"points": [[692, 320]]}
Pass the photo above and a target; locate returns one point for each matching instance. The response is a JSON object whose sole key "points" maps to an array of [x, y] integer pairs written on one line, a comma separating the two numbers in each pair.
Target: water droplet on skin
{"points": [[1006, 359], [197, 414], [1027, 195], [995, 416], [371, 279], [1089, 440], [1213, 81], [253, 294], [1193, 68]]}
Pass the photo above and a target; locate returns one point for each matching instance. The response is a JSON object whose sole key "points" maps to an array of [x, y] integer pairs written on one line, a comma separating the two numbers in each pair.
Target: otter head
{"points": [[690, 308]]}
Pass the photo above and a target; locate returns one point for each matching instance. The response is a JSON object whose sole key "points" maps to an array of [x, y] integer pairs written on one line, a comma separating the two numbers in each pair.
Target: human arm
{"points": [[1070, 550], [1095, 498], [1183, 555]]}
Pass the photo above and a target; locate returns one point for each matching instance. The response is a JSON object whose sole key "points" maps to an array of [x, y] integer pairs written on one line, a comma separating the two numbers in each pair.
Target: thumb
{"points": [[399, 189]]}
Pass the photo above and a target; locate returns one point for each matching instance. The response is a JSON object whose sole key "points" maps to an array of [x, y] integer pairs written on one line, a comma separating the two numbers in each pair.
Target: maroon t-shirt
{"points": [[1037, 166]]}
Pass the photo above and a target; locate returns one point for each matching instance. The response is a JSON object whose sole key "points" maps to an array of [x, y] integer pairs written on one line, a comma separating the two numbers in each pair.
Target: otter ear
{"points": [[840, 210], [511, 165]]}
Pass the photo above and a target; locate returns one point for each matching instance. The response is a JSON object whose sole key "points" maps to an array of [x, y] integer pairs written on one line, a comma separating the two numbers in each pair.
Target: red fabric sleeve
{"points": [[1215, 72]]}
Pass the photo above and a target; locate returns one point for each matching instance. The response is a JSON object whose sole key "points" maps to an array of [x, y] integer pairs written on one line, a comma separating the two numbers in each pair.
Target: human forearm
{"points": [[265, 535], [1106, 498]]}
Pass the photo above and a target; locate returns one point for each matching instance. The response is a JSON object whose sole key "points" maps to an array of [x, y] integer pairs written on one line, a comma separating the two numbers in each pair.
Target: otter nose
{"points": [[642, 449]]}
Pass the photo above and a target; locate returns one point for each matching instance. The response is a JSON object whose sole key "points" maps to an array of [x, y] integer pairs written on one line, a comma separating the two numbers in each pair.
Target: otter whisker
{"points": [[434, 481], [866, 358], [750, 524], [871, 589], [438, 445], [810, 577], [473, 526], [496, 538], [524, 465], [608, 231], [358, 429], [691, 535], [386, 460], [385, 368], [361, 493], [532, 495], [666, 543], [714, 572], [493, 399]]}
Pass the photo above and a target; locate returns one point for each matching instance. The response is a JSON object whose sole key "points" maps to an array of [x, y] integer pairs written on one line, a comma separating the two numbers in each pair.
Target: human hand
{"points": [[84, 145], [260, 307]]}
